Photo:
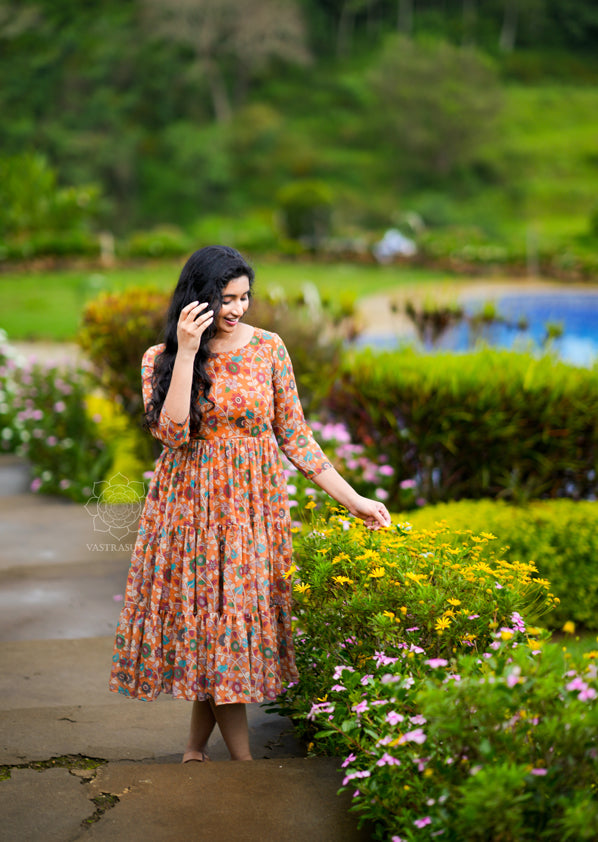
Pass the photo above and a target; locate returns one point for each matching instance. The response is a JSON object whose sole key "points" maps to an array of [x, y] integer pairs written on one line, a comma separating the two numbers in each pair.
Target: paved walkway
{"points": [[61, 587]]}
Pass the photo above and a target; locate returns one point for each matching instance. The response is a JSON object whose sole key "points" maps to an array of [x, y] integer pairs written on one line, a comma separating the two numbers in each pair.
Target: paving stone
{"points": [[46, 806], [294, 799]]}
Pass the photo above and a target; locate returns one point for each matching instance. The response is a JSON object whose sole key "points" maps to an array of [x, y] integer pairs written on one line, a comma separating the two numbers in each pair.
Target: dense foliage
{"points": [[560, 535], [167, 113], [485, 424], [419, 665]]}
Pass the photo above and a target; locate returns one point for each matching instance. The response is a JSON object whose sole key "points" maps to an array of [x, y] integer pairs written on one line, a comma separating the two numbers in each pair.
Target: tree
{"points": [[231, 38], [436, 104]]}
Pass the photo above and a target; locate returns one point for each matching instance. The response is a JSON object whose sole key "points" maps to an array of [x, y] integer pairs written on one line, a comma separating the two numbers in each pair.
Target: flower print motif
{"points": [[239, 401], [232, 367]]}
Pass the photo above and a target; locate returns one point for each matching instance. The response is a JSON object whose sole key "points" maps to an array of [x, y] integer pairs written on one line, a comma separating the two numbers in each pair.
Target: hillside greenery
{"points": [[127, 116]]}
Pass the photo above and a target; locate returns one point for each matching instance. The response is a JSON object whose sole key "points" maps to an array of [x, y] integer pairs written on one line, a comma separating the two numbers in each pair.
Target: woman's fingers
{"points": [[193, 321]]}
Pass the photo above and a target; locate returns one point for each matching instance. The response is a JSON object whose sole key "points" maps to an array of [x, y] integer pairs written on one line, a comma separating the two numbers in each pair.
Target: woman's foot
{"points": [[191, 756]]}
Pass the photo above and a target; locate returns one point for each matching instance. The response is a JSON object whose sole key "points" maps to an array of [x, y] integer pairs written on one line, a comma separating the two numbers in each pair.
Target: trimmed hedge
{"points": [[486, 424], [560, 536]]}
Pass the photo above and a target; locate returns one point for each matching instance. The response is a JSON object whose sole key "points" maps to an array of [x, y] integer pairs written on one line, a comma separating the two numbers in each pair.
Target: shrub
{"points": [[358, 592], [560, 535], [162, 241], [499, 747], [116, 330], [45, 418], [306, 208], [486, 424]]}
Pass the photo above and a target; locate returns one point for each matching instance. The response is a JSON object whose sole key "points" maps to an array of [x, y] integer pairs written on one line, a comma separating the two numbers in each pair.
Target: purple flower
{"points": [[498, 586]]}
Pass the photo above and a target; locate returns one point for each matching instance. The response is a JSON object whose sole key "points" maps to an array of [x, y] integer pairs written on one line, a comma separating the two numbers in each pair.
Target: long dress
{"points": [[207, 611]]}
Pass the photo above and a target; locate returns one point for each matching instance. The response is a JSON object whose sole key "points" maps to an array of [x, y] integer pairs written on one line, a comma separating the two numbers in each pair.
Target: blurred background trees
{"points": [[170, 113]]}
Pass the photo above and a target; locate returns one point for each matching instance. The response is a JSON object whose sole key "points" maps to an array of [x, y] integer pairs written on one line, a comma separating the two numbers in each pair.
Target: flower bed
{"points": [[453, 716]]}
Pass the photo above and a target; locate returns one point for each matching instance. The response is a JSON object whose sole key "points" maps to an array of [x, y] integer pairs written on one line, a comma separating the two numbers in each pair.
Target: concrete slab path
{"points": [[60, 594]]}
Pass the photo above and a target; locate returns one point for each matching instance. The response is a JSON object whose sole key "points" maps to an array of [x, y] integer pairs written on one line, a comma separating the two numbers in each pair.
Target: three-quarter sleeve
{"points": [[292, 432], [170, 433]]}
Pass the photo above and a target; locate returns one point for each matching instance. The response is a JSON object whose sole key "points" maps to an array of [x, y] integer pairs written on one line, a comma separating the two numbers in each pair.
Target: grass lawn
{"points": [[48, 305]]}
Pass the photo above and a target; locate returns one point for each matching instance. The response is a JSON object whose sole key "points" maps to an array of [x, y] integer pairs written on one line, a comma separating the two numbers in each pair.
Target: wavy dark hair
{"points": [[202, 278]]}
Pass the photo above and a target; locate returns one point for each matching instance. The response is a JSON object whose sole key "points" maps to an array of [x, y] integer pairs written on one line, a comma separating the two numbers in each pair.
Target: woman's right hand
{"points": [[193, 321]]}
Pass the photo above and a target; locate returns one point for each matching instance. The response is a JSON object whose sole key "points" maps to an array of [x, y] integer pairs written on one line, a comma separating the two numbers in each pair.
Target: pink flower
{"points": [[423, 822], [348, 760], [498, 586], [408, 483], [416, 736], [388, 760], [473, 616], [577, 684], [381, 494], [386, 470], [436, 662], [539, 772], [59, 406], [36, 484], [393, 718], [587, 694], [337, 688], [361, 707]]}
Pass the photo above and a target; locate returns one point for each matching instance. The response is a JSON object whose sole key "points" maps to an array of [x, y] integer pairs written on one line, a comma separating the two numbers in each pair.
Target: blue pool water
{"points": [[575, 312]]}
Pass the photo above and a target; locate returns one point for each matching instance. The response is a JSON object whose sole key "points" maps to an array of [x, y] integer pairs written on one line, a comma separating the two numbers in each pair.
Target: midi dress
{"points": [[207, 610]]}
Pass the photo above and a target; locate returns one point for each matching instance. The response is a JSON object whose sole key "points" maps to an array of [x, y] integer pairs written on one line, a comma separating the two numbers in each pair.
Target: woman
{"points": [[207, 608]]}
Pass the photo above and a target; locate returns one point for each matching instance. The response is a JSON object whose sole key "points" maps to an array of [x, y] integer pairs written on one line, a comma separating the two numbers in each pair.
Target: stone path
{"points": [[59, 602]]}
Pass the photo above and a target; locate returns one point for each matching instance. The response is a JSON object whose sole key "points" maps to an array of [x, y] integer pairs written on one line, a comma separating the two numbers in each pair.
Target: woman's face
{"points": [[235, 301]]}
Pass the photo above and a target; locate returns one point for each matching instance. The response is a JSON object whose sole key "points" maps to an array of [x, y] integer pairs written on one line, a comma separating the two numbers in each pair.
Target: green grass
{"points": [[48, 305]]}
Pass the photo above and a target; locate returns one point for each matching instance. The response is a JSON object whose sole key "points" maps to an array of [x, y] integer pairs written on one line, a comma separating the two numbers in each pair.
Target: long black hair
{"points": [[202, 278]]}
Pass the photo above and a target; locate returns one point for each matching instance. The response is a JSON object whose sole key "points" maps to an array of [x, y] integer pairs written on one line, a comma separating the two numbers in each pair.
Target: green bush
{"points": [[561, 536], [468, 748], [44, 417], [162, 241], [358, 592], [116, 330], [306, 208], [485, 424]]}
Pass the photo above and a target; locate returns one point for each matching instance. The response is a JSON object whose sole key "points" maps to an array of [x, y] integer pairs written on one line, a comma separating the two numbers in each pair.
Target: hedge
{"points": [[485, 424], [560, 536]]}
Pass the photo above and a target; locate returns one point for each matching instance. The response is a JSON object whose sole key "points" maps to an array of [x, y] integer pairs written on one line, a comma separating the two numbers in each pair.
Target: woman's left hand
{"points": [[373, 513]]}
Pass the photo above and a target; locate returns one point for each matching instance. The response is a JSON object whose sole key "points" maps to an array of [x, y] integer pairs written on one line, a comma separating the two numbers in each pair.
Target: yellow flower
{"points": [[310, 504], [292, 569], [389, 614], [377, 573], [454, 601], [442, 623], [342, 580], [506, 635], [569, 627], [301, 587]]}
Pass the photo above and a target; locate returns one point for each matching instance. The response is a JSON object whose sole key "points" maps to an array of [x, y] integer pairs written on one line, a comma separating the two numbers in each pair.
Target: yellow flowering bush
{"points": [[361, 590]]}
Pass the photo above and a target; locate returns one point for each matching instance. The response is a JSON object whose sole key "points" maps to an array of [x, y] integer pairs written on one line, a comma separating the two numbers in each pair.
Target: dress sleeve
{"points": [[293, 435], [170, 433]]}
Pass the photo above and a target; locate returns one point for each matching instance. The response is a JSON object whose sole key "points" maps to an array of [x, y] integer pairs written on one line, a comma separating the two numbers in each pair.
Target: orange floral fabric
{"points": [[207, 611]]}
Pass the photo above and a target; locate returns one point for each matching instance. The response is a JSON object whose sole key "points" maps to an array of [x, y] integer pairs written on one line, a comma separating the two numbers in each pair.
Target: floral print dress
{"points": [[207, 611]]}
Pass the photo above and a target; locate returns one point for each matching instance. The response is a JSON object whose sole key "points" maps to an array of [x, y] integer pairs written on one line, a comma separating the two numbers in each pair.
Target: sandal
{"points": [[195, 757]]}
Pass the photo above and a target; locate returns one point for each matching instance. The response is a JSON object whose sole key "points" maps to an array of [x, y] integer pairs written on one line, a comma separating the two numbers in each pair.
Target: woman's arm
{"points": [[191, 326], [372, 512]]}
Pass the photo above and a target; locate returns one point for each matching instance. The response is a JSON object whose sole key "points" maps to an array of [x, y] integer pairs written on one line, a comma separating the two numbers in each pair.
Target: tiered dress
{"points": [[207, 611]]}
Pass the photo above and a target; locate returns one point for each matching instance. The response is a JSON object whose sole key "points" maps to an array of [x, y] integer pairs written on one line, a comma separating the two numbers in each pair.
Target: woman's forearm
{"points": [[178, 398], [333, 484]]}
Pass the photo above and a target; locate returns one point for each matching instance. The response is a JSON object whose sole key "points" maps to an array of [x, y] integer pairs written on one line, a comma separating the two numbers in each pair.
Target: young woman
{"points": [[207, 613]]}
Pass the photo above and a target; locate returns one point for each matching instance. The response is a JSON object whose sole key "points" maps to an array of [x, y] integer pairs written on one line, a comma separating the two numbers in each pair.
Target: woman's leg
{"points": [[232, 721], [202, 725]]}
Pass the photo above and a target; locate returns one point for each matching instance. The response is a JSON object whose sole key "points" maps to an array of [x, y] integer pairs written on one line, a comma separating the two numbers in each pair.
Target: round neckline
{"points": [[235, 350]]}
